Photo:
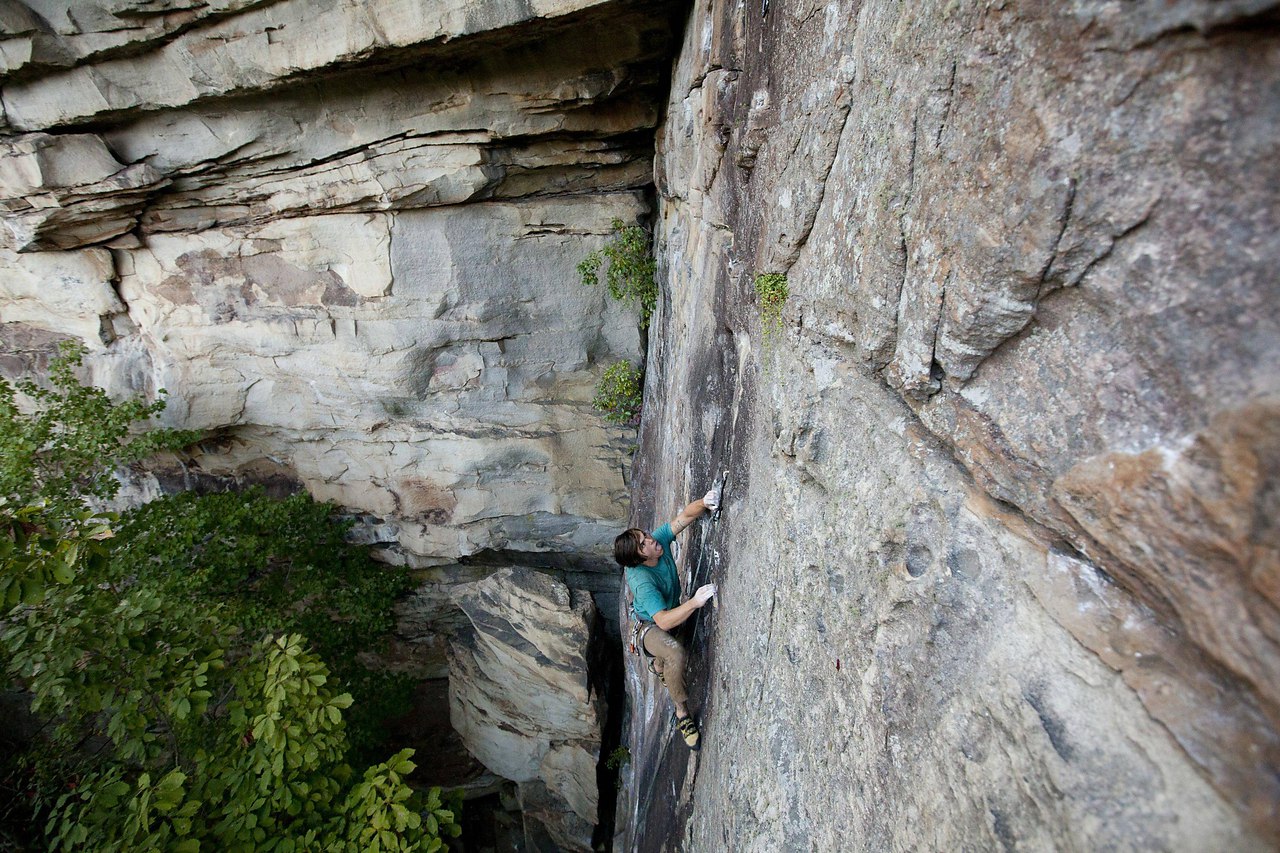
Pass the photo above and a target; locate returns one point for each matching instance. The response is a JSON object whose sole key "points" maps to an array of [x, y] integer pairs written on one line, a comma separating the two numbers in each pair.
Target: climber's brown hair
{"points": [[626, 548]]}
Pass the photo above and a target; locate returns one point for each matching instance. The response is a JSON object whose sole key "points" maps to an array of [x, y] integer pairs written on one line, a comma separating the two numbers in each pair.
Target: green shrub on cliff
{"points": [[620, 393], [630, 273], [772, 291]]}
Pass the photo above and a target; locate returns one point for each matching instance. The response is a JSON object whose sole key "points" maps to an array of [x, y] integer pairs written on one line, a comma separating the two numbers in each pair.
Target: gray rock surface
{"points": [[999, 565], [521, 697]]}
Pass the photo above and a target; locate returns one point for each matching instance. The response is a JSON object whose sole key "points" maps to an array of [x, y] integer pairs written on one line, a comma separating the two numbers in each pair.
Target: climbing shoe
{"points": [[688, 728]]}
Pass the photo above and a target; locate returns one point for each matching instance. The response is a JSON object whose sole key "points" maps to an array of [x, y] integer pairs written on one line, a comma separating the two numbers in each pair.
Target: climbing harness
{"points": [[639, 627], [638, 631]]}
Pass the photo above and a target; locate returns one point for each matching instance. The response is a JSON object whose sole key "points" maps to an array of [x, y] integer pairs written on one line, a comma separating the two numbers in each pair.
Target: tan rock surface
{"points": [[61, 192], [265, 45], [362, 282], [1198, 527], [344, 238]]}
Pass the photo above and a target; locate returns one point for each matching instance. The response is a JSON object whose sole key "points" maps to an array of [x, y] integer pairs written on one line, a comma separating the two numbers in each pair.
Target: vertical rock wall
{"points": [[998, 567]]}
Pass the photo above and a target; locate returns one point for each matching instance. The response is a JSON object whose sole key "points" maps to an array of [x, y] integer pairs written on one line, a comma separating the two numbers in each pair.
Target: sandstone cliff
{"points": [[999, 562], [343, 236]]}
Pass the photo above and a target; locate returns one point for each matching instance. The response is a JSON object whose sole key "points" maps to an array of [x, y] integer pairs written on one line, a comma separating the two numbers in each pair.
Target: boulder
{"points": [[521, 695]]}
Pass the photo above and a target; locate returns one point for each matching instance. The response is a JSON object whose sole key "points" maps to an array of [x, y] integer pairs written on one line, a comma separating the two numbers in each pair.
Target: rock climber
{"points": [[655, 590]]}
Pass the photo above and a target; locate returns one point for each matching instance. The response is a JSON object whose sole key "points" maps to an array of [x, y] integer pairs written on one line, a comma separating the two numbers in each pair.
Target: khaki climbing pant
{"points": [[668, 661]]}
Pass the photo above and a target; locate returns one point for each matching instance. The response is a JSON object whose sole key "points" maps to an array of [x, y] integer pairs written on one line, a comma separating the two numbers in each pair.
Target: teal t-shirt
{"points": [[655, 588]]}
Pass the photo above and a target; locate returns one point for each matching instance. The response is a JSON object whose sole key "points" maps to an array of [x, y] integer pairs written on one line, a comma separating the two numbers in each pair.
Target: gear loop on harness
{"points": [[638, 631]]}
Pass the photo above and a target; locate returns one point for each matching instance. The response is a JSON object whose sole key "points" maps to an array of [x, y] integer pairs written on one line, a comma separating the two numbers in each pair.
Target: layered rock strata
{"points": [[1000, 556], [344, 239]]}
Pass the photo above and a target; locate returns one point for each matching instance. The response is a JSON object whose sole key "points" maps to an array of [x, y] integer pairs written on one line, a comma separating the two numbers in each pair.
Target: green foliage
{"points": [[631, 270], [618, 759], [771, 289], [68, 447], [620, 393], [381, 797], [38, 548], [63, 451], [276, 566], [183, 714], [273, 779]]}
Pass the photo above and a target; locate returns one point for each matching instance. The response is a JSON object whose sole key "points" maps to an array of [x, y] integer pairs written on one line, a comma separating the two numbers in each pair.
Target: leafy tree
{"points": [[172, 726], [54, 458], [276, 566]]}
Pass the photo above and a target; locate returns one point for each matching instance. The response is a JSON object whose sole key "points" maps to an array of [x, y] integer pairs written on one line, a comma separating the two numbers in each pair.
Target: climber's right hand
{"points": [[704, 594]]}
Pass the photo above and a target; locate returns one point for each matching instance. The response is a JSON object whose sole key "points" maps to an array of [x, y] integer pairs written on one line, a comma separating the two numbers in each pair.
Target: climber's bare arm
{"points": [[688, 516], [676, 616]]}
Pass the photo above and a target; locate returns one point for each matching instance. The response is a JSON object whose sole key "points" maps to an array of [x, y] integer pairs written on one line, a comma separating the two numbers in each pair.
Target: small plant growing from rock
{"points": [[620, 393], [618, 759], [771, 288], [630, 274]]}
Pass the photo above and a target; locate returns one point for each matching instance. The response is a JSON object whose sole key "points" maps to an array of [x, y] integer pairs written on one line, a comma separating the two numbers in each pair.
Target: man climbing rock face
{"points": [[655, 589]]}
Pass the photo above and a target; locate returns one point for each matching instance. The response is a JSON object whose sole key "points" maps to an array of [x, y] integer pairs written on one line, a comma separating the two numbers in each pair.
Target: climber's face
{"points": [[649, 548]]}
